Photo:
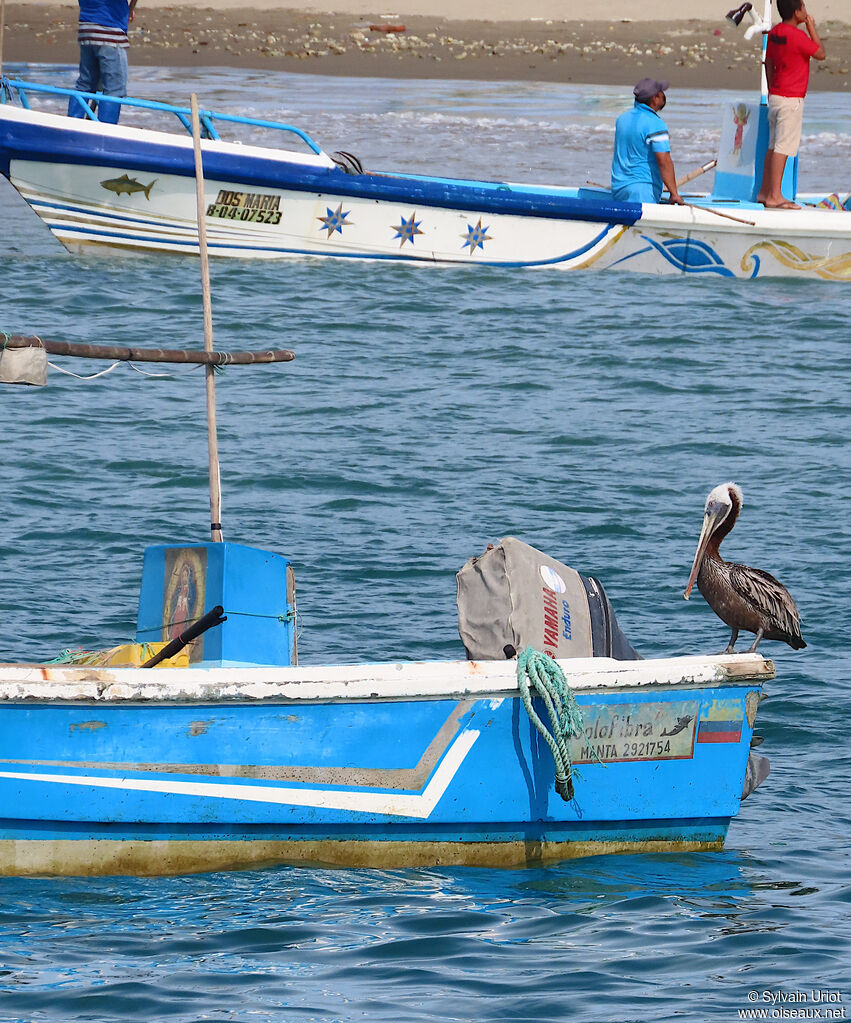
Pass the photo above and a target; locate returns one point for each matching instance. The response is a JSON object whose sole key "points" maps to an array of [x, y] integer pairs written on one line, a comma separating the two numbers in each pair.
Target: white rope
{"points": [[145, 372], [77, 376], [103, 372]]}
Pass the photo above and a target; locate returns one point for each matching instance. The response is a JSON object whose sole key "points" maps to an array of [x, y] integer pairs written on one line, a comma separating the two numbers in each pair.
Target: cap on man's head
{"points": [[648, 87]]}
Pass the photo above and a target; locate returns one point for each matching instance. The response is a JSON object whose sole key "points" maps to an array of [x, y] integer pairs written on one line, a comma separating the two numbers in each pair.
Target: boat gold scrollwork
{"points": [[597, 254], [831, 268]]}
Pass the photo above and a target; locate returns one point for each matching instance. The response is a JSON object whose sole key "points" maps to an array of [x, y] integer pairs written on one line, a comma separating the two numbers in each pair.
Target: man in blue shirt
{"points": [[102, 36], [642, 162]]}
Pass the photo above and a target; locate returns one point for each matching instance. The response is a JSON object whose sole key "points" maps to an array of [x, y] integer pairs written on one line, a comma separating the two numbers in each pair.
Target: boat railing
{"points": [[183, 114]]}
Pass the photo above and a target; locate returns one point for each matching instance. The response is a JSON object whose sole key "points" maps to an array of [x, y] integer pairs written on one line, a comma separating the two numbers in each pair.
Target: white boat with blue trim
{"points": [[132, 187]]}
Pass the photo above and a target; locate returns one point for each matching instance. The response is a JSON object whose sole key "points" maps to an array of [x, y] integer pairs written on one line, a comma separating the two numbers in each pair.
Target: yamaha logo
{"points": [[552, 580]]}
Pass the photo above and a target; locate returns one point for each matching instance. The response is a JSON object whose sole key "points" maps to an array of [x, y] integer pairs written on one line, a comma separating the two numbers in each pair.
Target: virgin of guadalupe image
{"points": [[183, 600]]}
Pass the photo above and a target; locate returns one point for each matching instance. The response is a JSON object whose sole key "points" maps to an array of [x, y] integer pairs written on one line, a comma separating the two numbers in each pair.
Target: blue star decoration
{"points": [[476, 237], [335, 221], [407, 229]]}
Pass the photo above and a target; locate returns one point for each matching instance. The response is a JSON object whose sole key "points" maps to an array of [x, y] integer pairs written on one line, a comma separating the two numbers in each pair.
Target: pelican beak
{"points": [[710, 521]]}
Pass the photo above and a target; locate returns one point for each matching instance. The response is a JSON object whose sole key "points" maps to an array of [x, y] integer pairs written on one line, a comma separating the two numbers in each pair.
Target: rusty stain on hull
{"points": [[103, 857]]}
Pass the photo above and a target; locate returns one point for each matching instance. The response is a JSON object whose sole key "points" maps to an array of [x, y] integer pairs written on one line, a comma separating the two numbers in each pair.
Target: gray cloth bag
{"points": [[513, 596], [23, 366]]}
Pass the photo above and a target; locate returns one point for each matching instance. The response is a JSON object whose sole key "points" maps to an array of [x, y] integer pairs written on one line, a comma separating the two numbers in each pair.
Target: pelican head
{"points": [[722, 502]]}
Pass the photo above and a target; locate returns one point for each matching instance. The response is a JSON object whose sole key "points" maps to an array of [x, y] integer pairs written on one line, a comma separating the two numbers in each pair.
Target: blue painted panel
{"points": [[746, 186], [421, 765], [182, 582]]}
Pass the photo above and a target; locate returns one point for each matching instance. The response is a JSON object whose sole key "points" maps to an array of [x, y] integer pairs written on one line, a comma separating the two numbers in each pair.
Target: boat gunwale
{"points": [[391, 682], [311, 174]]}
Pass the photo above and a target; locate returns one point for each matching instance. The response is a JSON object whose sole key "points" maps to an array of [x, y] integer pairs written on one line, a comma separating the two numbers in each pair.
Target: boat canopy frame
{"points": [[183, 114]]}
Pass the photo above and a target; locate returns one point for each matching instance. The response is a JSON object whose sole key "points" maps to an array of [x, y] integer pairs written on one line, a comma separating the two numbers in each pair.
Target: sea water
{"points": [[430, 411]]}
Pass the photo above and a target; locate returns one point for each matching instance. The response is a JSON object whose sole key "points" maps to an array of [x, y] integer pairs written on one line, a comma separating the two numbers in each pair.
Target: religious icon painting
{"points": [[183, 594]]}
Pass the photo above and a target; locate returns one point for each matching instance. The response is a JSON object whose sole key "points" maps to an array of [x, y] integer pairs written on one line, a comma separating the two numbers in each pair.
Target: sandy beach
{"points": [[470, 39]]}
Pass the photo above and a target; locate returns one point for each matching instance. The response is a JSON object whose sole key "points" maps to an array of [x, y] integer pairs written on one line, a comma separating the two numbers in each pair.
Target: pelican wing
{"points": [[767, 594]]}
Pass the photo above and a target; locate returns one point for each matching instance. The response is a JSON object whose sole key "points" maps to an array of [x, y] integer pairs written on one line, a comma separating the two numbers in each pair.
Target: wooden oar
{"points": [[119, 354]]}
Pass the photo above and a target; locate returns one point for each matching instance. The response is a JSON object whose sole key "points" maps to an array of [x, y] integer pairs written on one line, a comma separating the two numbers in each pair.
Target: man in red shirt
{"points": [[787, 69]]}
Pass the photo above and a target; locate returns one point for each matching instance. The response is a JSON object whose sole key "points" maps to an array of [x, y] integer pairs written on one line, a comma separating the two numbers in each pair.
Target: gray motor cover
{"points": [[515, 596]]}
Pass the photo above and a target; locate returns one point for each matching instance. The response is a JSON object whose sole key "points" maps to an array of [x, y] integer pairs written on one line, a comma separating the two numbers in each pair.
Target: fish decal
{"points": [[128, 185], [680, 725]]}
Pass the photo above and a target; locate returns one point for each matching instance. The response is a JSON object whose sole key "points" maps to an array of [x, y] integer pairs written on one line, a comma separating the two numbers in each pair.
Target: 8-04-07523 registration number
{"points": [[242, 213], [251, 207]]}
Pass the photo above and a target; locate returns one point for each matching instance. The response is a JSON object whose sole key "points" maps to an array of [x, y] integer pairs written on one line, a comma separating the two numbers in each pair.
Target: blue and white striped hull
{"points": [[172, 770], [366, 228]]}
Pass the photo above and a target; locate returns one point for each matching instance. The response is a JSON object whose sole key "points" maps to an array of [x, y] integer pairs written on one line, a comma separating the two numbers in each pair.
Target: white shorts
{"points": [[785, 118]]}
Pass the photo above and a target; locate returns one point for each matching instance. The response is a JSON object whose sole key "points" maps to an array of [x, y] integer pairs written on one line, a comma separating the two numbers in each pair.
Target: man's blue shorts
{"points": [[639, 191]]}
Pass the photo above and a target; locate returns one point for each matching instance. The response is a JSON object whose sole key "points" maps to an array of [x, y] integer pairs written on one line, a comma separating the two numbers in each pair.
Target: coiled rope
{"points": [[539, 675]]}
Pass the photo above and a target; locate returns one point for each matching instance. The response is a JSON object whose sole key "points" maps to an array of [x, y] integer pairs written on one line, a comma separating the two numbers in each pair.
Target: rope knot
{"points": [[539, 675]]}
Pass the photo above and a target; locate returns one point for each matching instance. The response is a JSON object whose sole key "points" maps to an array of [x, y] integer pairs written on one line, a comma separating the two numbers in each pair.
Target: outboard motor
{"points": [[514, 596]]}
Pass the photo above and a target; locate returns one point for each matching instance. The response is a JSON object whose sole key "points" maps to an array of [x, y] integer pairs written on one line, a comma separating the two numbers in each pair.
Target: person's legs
{"points": [[771, 194], [785, 117], [87, 80], [113, 74]]}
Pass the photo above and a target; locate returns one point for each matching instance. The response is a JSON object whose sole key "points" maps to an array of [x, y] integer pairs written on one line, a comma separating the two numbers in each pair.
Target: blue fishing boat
{"points": [[127, 770], [232, 754], [131, 186]]}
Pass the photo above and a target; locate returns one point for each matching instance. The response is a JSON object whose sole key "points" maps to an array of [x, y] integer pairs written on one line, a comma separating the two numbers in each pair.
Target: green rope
{"points": [[65, 657], [93, 658], [539, 675]]}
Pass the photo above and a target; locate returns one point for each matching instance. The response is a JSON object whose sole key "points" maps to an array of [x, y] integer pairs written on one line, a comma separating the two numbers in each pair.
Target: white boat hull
{"points": [[120, 187]]}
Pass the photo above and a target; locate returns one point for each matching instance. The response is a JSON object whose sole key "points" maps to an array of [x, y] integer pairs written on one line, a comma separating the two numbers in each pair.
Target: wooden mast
{"points": [[212, 436], [2, 32]]}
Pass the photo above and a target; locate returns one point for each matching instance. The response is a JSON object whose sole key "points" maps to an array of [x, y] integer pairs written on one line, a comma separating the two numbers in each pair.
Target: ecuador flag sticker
{"points": [[721, 722]]}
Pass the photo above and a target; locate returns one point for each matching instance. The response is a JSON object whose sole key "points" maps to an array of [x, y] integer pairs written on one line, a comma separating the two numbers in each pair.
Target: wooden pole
{"points": [[684, 180], [720, 213], [680, 181], [117, 353], [212, 437], [2, 32]]}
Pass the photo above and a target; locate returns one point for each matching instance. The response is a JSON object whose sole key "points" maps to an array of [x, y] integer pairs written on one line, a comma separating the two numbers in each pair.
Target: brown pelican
{"points": [[742, 597]]}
